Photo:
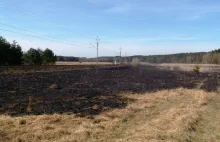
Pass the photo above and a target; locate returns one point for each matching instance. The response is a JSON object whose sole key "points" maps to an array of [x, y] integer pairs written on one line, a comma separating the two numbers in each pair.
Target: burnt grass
{"points": [[89, 92]]}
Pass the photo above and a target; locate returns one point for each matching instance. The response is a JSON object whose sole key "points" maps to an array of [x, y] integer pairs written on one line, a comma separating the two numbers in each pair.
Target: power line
{"points": [[28, 14], [47, 21], [41, 38], [51, 22], [25, 11], [47, 36], [35, 32], [48, 39]]}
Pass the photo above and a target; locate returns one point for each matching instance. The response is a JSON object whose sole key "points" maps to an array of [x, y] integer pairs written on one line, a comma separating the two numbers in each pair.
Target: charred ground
{"points": [[90, 91]]}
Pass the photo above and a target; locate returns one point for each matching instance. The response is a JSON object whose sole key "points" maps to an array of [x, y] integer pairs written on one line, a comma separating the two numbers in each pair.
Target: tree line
{"points": [[67, 59], [212, 57], [12, 54]]}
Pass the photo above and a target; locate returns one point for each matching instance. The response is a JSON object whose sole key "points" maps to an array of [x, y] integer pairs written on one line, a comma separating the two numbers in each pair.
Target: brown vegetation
{"points": [[206, 68], [169, 115]]}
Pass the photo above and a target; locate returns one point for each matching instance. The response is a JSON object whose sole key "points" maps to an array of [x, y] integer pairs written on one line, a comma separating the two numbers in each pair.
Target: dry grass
{"points": [[165, 115], [208, 129], [187, 67], [168, 115], [83, 63]]}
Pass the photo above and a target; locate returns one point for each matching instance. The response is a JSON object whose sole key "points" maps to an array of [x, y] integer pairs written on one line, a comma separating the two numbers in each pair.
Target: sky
{"points": [[139, 27]]}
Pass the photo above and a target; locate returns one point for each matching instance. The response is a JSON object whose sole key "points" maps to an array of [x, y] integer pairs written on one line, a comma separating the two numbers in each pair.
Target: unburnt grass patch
{"points": [[168, 115]]}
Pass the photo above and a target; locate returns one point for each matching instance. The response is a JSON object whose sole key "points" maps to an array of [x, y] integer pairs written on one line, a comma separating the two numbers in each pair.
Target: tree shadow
{"points": [[86, 92]]}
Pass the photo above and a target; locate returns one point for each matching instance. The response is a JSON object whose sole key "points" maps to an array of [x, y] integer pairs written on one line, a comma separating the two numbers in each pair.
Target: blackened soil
{"points": [[88, 92]]}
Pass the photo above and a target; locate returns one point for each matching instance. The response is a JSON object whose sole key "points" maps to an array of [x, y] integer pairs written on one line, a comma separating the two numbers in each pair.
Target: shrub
{"points": [[196, 69], [49, 57], [39, 57], [33, 57]]}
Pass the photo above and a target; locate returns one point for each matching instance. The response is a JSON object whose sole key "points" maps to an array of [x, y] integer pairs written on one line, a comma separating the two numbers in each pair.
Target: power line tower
{"points": [[126, 58], [97, 40], [97, 48], [120, 55]]}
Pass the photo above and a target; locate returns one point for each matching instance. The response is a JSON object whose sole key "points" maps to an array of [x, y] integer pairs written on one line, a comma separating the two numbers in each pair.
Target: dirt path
{"points": [[208, 128]]}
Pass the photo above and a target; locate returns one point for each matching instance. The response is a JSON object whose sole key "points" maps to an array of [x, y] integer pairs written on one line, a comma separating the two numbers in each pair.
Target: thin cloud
{"points": [[162, 6], [120, 8], [193, 17]]}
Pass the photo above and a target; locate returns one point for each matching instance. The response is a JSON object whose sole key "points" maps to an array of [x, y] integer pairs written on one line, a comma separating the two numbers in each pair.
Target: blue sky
{"points": [[140, 27]]}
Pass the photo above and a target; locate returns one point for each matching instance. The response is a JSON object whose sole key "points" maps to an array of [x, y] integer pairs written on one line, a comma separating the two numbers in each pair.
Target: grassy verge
{"points": [[169, 115], [208, 128], [173, 117], [218, 87]]}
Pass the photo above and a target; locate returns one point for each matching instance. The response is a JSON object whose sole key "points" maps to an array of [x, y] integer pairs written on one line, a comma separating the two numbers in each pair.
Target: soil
{"points": [[89, 91]]}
